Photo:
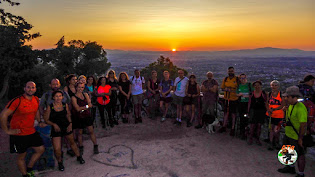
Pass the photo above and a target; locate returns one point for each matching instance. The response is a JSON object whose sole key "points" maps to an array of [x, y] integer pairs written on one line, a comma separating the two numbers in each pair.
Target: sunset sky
{"points": [[179, 24]]}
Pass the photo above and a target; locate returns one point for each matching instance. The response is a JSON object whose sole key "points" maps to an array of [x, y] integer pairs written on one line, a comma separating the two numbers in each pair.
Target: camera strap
{"points": [[291, 122]]}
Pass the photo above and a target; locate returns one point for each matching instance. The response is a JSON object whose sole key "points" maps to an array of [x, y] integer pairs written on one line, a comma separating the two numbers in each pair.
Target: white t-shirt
{"points": [[180, 86], [136, 85]]}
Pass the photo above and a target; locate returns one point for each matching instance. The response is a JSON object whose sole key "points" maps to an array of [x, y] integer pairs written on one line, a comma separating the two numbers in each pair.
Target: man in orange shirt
{"points": [[229, 86], [24, 110]]}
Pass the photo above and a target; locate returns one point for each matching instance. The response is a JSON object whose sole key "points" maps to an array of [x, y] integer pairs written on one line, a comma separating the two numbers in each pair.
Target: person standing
{"points": [[209, 89], [111, 107], [24, 110], [243, 91], [102, 92], [296, 122], [153, 93], [229, 86], [179, 94], [124, 86], [137, 85], [165, 88], [192, 92], [274, 112], [90, 87], [58, 116]]}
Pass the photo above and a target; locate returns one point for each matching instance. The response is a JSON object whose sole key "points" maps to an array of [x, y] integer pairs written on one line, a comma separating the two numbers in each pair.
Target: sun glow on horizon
{"points": [[174, 50]]}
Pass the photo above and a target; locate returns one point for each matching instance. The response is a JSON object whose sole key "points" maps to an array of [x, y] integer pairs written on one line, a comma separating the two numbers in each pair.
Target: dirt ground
{"points": [[162, 149]]}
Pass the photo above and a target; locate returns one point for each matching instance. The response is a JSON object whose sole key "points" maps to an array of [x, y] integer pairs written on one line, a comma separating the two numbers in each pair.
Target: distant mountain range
{"points": [[265, 52]]}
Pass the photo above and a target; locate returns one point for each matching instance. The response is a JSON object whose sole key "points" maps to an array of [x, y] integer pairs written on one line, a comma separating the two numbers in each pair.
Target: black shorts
{"points": [[20, 144], [232, 105], [166, 100], [275, 121], [81, 123], [289, 141], [62, 133]]}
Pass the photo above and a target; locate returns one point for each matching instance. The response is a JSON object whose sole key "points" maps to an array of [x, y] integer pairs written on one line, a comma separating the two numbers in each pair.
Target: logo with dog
{"points": [[287, 155]]}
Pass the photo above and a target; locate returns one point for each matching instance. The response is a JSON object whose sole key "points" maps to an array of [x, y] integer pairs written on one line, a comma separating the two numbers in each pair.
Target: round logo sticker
{"points": [[287, 155]]}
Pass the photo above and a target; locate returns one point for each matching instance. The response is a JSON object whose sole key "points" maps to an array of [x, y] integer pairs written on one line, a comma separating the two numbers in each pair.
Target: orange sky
{"points": [[180, 24]]}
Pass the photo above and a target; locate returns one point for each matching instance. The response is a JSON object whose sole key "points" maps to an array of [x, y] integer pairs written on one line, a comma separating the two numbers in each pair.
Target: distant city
{"points": [[288, 66]]}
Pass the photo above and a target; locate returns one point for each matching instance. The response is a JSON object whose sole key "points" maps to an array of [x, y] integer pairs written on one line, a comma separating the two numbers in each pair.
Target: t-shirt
{"points": [[124, 86], [245, 89], [103, 100], [231, 83], [166, 85], [90, 88], [136, 85], [209, 97], [180, 85], [46, 99], [299, 115], [24, 116]]}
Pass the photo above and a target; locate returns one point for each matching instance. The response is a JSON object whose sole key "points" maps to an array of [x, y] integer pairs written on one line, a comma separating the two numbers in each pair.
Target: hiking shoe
{"points": [[95, 149], [81, 149], [232, 132], [287, 169], [298, 175], [258, 142], [179, 123], [189, 124], [250, 141], [80, 159], [198, 126], [163, 119], [31, 173], [61, 167], [222, 129], [271, 147], [140, 120], [70, 152], [116, 122]]}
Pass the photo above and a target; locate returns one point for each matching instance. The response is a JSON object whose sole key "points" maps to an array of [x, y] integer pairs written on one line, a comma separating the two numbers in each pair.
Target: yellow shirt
{"points": [[232, 84]]}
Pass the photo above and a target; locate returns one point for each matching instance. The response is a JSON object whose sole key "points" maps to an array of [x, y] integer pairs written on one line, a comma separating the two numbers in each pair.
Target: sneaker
{"points": [[175, 122], [198, 126], [258, 142], [271, 147], [96, 149], [179, 123], [81, 149], [80, 159], [31, 173], [116, 122], [287, 169], [70, 152], [136, 120], [232, 132], [163, 119], [61, 167], [140, 120], [298, 175], [222, 129], [189, 124]]}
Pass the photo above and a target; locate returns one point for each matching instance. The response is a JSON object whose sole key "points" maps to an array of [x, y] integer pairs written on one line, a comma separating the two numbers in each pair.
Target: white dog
{"points": [[210, 127]]}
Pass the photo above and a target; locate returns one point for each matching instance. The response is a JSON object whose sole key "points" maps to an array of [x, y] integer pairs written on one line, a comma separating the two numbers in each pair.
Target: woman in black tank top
{"points": [[82, 117], [58, 116], [153, 94], [111, 107], [71, 80], [191, 98]]}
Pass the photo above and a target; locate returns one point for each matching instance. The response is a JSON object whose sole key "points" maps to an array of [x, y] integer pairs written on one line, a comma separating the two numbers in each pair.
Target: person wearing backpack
{"points": [[257, 112], [137, 85], [296, 122], [274, 112], [243, 91], [24, 111]]}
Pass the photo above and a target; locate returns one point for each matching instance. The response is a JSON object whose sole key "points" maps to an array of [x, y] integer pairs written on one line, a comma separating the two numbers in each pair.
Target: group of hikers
{"points": [[74, 108]]}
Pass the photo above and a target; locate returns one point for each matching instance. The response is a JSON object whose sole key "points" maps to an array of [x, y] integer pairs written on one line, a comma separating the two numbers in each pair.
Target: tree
{"points": [[15, 55], [78, 57], [162, 64]]}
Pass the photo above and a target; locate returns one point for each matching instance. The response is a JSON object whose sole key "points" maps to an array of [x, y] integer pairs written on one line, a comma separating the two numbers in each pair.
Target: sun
{"points": [[174, 50]]}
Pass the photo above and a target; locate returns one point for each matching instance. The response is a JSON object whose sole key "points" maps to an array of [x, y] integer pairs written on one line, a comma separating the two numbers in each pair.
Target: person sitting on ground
{"points": [[192, 92], [243, 91], [275, 113], [153, 93], [124, 86], [58, 116], [82, 117], [179, 94], [165, 88], [257, 109], [229, 86], [24, 111]]}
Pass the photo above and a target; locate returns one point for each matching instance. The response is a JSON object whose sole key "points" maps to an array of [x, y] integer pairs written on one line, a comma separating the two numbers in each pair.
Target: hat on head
{"points": [[292, 91]]}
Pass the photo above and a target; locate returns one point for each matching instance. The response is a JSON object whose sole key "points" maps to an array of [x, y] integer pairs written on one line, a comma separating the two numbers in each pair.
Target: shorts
{"points": [[289, 141], [63, 131], [232, 105], [192, 101], [82, 123], [20, 144], [178, 100], [275, 121], [137, 99], [166, 100]]}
